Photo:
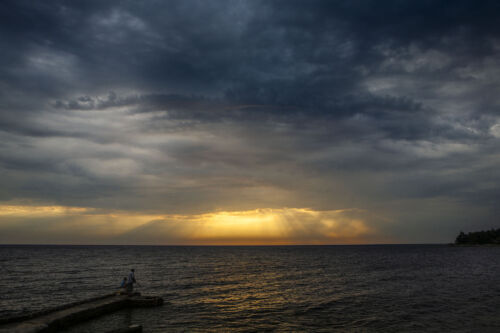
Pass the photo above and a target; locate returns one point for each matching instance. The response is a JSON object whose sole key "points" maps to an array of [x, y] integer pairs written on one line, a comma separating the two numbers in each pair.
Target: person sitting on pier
{"points": [[123, 285], [130, 281]]}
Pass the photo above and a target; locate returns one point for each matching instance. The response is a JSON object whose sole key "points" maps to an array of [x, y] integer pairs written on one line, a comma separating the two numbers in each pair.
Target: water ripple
{"points": [[212, 289]]}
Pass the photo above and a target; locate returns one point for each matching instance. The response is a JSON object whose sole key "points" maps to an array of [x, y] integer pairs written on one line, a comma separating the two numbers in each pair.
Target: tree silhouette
{"points": [[479, 237]]}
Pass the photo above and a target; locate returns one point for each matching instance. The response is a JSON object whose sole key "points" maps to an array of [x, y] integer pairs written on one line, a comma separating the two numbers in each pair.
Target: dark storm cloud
{"points": [[193, 106]]}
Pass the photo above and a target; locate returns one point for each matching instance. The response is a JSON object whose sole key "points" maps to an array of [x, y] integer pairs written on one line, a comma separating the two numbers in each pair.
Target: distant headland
{"points": [[488, 237]]}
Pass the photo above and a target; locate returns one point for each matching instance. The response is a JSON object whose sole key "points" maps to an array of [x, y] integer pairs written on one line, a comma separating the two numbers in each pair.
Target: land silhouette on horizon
{"points": [[488, 237]]}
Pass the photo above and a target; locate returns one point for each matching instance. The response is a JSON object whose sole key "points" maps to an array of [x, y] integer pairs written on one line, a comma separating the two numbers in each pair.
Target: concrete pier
{"points": [[65, 316], [130, 329]]}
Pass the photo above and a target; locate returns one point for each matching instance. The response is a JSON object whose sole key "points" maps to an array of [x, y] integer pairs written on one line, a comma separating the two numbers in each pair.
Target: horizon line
{"points": [[219, 245]]}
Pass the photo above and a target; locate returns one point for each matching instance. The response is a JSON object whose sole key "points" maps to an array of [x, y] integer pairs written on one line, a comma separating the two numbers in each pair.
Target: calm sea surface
{"points": [[389, 288]]}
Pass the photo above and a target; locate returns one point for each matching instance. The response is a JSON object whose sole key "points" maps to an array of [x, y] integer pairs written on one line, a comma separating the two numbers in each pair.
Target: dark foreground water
{"points": [[405, 288]]}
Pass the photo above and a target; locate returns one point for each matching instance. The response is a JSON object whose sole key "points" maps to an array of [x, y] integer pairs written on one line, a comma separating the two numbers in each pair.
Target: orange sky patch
{"points": [[61, 224]]}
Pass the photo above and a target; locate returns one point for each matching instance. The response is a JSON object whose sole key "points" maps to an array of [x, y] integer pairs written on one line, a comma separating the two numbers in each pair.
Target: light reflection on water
{"points": [[363, 288]]}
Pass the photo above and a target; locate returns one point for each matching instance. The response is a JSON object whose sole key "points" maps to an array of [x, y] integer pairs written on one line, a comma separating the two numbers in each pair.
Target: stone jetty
{"points": [[55, 319]]}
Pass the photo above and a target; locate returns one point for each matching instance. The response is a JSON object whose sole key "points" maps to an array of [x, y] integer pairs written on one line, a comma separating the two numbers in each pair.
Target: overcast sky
{"points": [[273, 122]]}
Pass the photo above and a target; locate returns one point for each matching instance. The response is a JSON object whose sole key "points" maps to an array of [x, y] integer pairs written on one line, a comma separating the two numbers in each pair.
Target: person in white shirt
{"points": [[131, 280]]}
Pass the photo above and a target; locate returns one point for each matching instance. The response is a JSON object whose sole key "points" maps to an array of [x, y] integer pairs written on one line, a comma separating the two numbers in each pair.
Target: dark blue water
{"points": [[410, 288]]}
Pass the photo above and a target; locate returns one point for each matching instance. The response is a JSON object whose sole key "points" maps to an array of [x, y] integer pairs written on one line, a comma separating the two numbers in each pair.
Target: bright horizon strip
{"points": [[269, 226]]}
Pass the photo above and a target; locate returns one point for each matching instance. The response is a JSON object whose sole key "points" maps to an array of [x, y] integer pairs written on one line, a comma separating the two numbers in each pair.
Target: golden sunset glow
{"points": [[228, 134], [20, 210], [252, 227], [276, 226]]}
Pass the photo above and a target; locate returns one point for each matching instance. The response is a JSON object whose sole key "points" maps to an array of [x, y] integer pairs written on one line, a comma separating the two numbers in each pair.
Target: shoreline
{"points": [[474, 245]]}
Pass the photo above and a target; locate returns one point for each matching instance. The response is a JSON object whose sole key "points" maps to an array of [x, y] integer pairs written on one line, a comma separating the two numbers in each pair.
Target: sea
{"points": [[369, 288]]}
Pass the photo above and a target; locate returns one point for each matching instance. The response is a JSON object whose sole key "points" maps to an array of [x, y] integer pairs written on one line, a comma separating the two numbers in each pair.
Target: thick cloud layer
{"points": [[193, 107]]}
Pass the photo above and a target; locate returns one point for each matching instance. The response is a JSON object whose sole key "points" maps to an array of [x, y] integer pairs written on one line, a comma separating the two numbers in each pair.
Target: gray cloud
{"points": [[192, 107]]}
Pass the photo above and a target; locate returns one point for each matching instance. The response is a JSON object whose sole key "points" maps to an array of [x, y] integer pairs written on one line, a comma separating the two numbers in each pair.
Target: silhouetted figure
{"points": [[130, 281], [123, 285]]}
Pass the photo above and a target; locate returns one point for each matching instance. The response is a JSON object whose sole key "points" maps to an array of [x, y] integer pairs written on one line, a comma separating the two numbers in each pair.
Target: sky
{"points": [[248, 122]]}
